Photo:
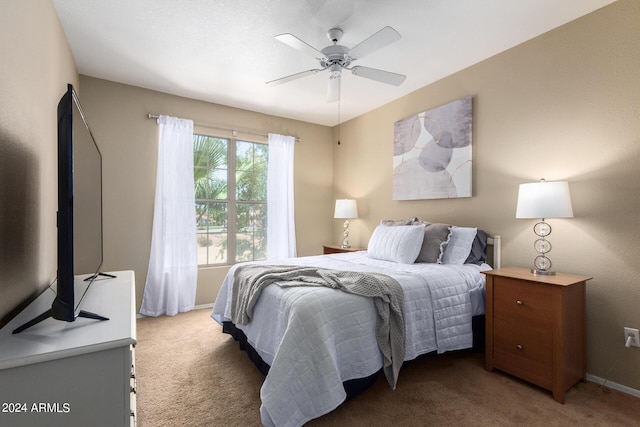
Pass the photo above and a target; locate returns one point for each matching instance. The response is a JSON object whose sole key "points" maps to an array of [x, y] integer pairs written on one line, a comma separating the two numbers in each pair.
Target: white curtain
{"points": [[281, 230], [173, 265]]}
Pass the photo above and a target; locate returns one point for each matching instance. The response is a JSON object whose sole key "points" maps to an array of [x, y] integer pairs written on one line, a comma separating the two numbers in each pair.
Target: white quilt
{"points": [[315, 338]]}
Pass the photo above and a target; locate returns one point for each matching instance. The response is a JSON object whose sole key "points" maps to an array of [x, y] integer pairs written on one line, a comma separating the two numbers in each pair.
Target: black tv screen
{"points": [[87, 196], [79, 204], [79, 216]]}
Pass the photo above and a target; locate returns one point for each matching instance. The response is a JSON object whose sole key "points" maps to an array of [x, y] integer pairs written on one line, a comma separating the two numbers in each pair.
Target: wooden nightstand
{"points": [[336, 249], [535, 327]]}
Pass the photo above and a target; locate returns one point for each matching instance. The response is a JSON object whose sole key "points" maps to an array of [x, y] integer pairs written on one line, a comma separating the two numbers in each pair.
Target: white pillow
{"points": [[459, 247], [398, 243]]}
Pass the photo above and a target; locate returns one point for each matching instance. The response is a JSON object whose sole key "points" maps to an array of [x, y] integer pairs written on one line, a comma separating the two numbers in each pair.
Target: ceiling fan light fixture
{"points": [[334, 71], [335, 55]]}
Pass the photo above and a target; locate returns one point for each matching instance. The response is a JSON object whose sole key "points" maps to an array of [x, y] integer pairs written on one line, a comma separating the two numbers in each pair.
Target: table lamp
{"points": [[543, 200], [345, 209]]}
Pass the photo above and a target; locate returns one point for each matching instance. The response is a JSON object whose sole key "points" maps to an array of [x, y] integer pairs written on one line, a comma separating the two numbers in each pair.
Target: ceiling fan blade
{"points": [[385, 36], [333, 92], [379, 75], [294, 42], [292, 77]]}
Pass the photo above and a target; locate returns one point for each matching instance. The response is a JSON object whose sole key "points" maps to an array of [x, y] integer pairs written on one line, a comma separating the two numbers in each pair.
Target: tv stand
{"points": [[49, 313], [100, 274], [76, 373], [55, 311]]}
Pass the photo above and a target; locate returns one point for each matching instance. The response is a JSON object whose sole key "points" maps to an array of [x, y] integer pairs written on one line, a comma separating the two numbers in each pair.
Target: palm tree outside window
{"points": [[231, 199]]}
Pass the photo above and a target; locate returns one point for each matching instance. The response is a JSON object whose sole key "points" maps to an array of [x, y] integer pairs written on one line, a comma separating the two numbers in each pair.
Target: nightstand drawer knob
{"points": [[519, 302], [519, 346]]}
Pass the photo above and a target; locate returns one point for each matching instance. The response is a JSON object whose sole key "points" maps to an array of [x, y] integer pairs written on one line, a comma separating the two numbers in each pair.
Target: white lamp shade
{"points": [[544, 200], [346, 208]]}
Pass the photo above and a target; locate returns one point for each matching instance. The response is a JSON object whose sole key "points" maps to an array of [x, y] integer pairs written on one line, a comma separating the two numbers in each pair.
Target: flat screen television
{"points": [[79, 216]]}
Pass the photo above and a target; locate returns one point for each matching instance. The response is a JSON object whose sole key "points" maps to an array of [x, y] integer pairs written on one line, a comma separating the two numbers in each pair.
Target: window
{"points": [[231, 199]]}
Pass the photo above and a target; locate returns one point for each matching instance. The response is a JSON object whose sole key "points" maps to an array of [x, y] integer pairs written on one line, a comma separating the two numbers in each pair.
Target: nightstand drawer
{"points": [[524, 351], [523, 342], [522, 302]]}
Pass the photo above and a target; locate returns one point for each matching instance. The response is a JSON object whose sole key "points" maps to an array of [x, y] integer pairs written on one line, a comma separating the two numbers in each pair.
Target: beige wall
{"points": [[35, 66], [117, 115], [564, 106]]}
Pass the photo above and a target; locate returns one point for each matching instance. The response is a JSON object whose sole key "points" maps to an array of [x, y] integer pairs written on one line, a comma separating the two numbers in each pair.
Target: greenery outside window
{"points": [[231, 199]]}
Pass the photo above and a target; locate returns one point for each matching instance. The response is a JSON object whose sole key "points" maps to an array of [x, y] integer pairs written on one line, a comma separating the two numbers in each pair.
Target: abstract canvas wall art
{"points": [[432, 153]]}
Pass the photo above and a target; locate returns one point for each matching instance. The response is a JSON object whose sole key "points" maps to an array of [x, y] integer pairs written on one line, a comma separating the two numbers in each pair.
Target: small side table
{"points": [[337, 249], [535, 327]]}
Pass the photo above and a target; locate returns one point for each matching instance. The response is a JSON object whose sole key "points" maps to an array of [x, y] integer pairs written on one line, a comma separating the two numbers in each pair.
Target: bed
{"points": [[319, 346]]}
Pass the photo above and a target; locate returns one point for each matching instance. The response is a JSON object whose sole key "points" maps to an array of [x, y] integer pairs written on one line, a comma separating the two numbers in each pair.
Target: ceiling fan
{"points": [[336, 58]]}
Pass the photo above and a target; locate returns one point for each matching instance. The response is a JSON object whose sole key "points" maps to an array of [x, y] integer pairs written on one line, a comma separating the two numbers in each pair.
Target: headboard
{"points": [[494, 258]]}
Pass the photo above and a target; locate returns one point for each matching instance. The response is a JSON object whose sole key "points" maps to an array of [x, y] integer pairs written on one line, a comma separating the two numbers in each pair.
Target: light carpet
{"points": [[191, 374]]}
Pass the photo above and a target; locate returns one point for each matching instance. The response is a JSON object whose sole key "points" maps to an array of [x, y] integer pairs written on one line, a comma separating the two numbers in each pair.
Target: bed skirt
{"points": [[351, 387]]}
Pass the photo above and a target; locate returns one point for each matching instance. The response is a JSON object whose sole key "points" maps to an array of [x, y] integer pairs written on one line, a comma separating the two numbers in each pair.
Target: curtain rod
{"points": [[232, 130]]}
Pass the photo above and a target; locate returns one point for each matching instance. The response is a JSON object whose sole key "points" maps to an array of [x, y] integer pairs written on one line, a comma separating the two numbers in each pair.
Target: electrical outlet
{"points": [[635, 341]]}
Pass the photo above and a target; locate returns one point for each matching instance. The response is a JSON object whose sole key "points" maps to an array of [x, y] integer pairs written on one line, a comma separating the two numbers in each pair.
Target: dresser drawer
{"points": [[523, 350], [522, 302]]}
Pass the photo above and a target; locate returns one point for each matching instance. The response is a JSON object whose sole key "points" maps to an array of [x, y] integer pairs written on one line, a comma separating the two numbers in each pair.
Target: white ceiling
{"points": [[223, 51]]}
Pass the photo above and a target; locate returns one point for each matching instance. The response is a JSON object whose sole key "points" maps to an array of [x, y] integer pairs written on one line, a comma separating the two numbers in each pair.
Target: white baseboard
{"points": [[615, 386], [197, 307]]}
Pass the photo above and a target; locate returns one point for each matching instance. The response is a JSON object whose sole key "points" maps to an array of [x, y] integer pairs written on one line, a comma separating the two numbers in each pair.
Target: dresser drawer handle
{"points": [[519, 302], [519, 346]]}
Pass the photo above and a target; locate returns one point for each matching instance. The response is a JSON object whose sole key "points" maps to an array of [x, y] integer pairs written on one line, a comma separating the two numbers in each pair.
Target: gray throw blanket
{"points": [[249, 280]]}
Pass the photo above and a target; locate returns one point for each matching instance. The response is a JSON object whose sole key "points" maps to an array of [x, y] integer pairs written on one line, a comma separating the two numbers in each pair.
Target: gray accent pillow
{"points": [[391, 222], [478, 253], [436, 237]]}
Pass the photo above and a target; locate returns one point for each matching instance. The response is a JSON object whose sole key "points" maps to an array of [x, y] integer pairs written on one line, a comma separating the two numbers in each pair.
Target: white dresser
{"points": [[70, 374]]}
